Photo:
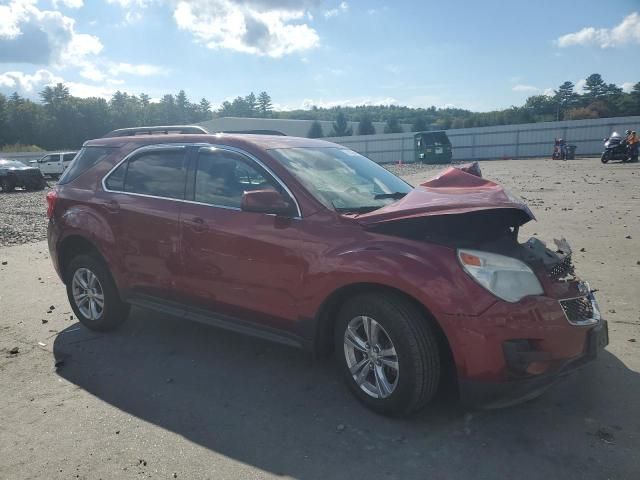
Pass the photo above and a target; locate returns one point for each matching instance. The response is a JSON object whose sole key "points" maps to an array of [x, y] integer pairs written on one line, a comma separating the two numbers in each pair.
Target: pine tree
{"points": [[419, 124], [204, 109], [365, 126], [341, 127], [315, 130], [595, 86], [392, 126], [252, 104], [264, 104]]}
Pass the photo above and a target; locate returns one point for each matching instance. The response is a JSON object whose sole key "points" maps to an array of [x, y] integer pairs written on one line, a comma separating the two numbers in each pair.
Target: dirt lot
{"points": [[165, 399]]}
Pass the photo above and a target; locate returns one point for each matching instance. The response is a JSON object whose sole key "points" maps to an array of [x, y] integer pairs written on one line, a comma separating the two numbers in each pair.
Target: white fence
{"points": [[499, 142]]}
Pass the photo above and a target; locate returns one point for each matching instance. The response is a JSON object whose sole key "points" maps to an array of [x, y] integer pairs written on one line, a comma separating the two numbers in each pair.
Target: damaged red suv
{"points": [[307, 243]]}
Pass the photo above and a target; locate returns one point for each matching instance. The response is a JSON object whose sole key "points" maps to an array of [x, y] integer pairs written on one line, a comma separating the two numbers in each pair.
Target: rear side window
{"points": [[158, 173], [84, 160], [67, 157]]}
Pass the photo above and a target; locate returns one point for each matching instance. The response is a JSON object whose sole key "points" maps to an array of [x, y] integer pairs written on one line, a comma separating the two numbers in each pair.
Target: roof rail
{"points": [[257, 132], [167, 129]]}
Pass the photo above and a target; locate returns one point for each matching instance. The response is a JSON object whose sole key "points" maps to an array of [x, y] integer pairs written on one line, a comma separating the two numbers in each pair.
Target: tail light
{"points": [[52, 196]]}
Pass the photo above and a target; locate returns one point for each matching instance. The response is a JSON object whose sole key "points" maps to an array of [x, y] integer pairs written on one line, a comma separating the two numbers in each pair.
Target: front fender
{"points": [[429, 273]]}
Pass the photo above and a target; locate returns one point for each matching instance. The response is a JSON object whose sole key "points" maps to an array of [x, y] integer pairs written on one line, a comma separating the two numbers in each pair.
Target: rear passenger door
{"points": [[143, 207], [48, 164]]}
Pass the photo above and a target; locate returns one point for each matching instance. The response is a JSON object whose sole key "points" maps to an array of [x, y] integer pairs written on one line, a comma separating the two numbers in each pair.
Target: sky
{"points": [[479, 55]]}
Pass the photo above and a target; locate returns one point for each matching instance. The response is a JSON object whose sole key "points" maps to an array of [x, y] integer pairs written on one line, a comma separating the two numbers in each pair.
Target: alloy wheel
{"points": [[371, 357], [88, 294]]}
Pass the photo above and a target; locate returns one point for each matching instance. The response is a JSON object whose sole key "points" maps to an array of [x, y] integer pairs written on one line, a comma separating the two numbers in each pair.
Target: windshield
{"points": [[342, 179], [11, 164]]}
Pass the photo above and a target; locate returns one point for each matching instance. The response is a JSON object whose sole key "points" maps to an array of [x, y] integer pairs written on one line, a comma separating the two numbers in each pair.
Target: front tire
{"points": [[93, 294], [604, 158], [388, 353], [7, 185]]}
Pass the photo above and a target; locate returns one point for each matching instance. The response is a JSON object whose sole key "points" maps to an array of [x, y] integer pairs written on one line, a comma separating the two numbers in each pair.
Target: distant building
{"points": [[294, 128]]}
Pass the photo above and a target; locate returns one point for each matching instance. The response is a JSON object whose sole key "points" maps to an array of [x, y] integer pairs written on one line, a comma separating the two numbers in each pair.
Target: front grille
{"points": [[563, 269], [578, 310]]}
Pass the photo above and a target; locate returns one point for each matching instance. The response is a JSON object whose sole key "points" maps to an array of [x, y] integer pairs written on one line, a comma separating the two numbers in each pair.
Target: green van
{"points": [[432, 147]]}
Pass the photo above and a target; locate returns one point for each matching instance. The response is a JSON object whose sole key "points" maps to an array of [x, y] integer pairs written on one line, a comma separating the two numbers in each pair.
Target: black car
{"points": [[16, 174]]}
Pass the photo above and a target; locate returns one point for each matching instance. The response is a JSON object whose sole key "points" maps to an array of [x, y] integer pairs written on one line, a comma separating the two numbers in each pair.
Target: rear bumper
{"points": [[488, 394]]}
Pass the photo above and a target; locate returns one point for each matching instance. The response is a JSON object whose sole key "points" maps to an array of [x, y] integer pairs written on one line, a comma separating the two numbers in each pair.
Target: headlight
{"points": [[505, 277]]}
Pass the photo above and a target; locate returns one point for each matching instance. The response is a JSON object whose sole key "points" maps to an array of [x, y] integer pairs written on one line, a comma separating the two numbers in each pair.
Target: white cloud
{"points": [[352, 102], [24, 82], [626, 32], [549, 92], [274, 28], [580, 85], [142, 70], [334, 12], [627, 86], [525, 88], [68, 3], [86, 90], [43, 37]]}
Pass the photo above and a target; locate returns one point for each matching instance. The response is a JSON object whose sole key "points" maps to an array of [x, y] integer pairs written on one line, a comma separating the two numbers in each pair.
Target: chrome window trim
{"points": [[201, 146]]}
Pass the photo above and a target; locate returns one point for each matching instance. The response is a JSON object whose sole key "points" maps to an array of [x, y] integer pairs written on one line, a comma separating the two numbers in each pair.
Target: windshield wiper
{"points": [[394, 195], [364, 209]]}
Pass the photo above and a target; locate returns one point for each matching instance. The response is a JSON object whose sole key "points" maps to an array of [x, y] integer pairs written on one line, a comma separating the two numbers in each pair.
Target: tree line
{"points": [[60, 120]]}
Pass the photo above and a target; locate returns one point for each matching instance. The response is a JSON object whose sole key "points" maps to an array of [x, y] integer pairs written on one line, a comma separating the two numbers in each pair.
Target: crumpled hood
{"points": [[453, 191]]}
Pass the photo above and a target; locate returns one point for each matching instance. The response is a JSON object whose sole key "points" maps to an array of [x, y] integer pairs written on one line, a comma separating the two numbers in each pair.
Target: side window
{"points": [[45, 159], [115, 181], [159, 173], [222, 177], [67, 157], [85, 159]]}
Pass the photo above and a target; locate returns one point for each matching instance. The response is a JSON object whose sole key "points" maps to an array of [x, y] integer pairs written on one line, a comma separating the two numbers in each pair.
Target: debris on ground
{"points": [[44, 321], [632, 340], [583, 249], [14, 351], [605, 436], [4, 262]]}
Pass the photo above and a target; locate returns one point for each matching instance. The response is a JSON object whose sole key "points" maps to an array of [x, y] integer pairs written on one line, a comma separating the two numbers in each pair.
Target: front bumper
{"points": [[514, 351], [503, 394]]}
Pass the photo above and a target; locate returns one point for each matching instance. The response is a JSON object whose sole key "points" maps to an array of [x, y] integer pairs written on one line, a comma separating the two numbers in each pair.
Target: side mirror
{"points": [[266, 201]]}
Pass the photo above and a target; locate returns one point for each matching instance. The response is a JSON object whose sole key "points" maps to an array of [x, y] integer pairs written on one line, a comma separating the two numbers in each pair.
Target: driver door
{"points": [[237, 263]]}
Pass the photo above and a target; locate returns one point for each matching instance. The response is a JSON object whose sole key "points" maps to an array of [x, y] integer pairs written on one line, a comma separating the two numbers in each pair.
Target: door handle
{"points": [[198, 224], [112, 206]]}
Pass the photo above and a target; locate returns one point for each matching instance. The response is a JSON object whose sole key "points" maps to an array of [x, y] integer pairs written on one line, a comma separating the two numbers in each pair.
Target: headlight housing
{"points": [[505, 277]]}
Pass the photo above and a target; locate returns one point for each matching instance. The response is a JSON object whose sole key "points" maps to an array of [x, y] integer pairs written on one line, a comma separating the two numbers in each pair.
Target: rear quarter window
{"points": [[83, 161]]}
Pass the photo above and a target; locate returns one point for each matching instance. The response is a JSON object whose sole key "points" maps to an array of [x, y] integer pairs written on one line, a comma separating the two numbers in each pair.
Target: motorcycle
{"points": [[616, 148]]}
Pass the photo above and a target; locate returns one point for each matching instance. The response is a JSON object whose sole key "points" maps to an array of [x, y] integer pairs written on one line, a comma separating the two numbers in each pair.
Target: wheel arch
{"points": [[72, 246], [326, 319]]}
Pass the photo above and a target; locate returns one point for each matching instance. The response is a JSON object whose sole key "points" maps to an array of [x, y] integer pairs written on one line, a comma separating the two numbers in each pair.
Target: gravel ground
{"points": [[23, 217]]}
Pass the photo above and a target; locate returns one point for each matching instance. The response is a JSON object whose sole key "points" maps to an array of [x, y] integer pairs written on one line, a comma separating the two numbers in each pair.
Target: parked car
{"points": [[54, 164], [310, 244], [16, 174]]}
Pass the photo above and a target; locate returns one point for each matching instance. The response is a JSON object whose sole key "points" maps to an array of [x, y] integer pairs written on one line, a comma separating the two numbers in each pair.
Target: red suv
{"points": [[307, 243]]}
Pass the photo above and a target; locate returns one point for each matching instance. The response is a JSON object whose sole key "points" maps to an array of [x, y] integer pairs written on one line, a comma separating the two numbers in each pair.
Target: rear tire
{"points": [[604, 158], [93, 294], [389, 384]]}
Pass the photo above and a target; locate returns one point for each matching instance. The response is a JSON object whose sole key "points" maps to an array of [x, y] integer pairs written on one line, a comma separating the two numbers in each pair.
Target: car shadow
{"points": [[275, 408]]}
